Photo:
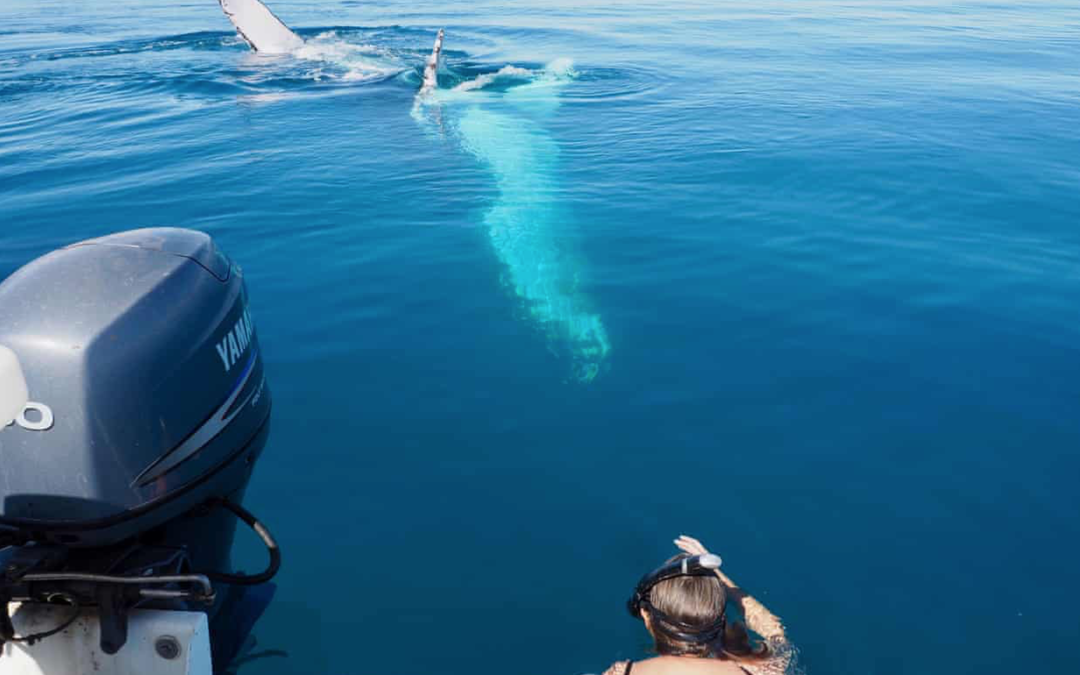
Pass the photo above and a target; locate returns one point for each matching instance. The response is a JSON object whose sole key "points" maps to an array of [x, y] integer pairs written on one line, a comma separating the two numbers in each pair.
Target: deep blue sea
{"points": [[799, 278]]}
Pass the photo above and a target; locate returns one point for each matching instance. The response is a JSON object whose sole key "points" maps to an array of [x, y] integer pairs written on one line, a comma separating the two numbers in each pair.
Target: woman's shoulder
{"points": [[666, 666], [618, 668]]}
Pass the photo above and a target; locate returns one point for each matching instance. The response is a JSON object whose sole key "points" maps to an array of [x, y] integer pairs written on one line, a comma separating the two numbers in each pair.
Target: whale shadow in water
{"points": [[529, 227]]}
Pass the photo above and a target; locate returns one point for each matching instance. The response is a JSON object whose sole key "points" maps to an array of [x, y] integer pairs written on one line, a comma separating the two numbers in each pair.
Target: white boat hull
{"points": [[159, 643]]}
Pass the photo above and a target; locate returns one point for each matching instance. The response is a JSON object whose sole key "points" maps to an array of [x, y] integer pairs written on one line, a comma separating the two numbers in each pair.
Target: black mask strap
{"points": [[712, 633]]}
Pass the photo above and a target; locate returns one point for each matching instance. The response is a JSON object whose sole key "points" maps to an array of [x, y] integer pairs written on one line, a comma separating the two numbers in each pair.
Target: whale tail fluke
{"points": [[263, 31]]}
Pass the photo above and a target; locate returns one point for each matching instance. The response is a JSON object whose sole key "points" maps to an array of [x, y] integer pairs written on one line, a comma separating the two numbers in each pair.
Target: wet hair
{"points": [[698, 601]]}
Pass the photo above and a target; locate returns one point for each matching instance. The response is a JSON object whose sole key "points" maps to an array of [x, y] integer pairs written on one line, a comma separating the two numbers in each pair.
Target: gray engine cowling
{"points": [[146, 384]]}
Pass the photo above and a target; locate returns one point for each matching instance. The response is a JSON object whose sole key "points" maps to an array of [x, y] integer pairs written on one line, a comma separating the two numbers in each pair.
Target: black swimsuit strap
{"points": [[629, 665]]}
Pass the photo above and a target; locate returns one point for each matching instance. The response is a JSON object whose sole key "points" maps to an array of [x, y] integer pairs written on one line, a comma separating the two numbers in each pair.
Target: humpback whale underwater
{"points": [[498, 118]]}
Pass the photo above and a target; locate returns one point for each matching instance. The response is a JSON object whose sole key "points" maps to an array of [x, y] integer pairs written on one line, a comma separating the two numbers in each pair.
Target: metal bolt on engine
{"points": [[167, 647]]}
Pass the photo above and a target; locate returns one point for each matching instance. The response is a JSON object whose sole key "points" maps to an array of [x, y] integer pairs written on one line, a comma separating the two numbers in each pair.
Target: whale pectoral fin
{"points": [[263, 31], [431, 68]]}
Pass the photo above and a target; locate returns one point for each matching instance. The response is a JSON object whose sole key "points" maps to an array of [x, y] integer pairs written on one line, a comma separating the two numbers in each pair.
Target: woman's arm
{"points": [[758, 618]]}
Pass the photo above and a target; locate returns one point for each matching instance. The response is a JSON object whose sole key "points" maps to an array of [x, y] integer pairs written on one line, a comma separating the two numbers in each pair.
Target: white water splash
{"points": [[358, 62], [506, 72]]}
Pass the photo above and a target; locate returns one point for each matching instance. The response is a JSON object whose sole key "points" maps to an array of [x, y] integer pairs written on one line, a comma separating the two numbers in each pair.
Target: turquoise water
{"points": [[800, 279]]}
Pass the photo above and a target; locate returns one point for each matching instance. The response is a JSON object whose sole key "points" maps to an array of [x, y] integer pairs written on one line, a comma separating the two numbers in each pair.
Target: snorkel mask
{"points": [[692, 566]]}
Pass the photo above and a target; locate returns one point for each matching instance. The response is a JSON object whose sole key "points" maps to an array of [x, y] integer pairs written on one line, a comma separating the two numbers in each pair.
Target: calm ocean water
{"points": [[798, 278]]}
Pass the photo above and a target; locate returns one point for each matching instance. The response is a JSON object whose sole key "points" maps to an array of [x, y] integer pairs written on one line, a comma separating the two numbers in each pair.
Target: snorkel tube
{"points": [[14, 393], [693, 566]]}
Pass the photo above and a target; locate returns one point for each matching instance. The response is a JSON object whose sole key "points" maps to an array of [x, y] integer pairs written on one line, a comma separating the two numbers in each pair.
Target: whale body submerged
{"points": [[530, 229], [526, 223]]}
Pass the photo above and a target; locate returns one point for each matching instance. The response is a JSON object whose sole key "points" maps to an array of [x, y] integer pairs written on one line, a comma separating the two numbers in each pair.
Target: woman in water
{"points": [[683, 608]]}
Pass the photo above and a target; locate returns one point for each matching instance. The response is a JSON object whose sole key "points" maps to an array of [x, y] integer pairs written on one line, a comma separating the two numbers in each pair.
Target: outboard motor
{"points": [[121, 478]]}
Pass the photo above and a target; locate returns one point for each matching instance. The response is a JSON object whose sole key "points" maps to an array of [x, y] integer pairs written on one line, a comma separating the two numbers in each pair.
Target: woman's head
{"points": [[695, 602], [692, 601]]}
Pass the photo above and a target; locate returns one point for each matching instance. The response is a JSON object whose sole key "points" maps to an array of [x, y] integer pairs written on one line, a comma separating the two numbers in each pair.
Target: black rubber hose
{"points": [[267, 538]]}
